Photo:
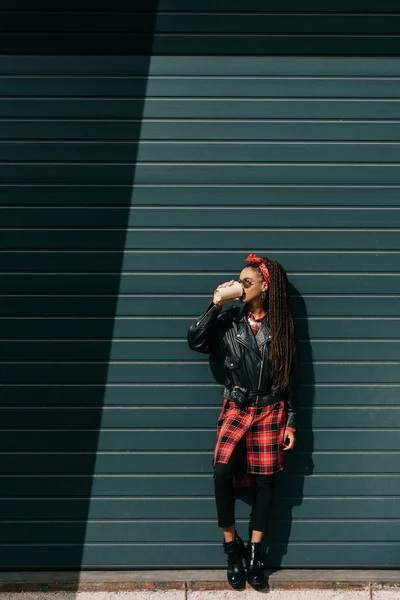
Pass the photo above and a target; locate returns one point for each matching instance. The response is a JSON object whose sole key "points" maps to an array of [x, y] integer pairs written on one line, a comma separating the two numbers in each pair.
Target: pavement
{"points": [[284, 584]]}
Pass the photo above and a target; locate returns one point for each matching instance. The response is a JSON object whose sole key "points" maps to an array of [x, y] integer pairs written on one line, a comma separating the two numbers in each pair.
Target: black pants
{"points": [[225, 491]]}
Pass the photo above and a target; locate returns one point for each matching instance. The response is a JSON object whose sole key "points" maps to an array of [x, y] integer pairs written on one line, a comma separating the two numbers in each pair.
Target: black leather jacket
{"points": [[242, 355]]}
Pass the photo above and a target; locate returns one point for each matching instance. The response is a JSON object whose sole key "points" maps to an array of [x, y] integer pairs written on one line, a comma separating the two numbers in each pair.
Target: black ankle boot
{"points": [[235, 552], [255, 573]]}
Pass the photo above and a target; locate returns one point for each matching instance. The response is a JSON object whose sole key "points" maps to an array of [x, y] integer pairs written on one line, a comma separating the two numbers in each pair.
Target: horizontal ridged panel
{"points": [[188, 152], [189, 463], [86, 351], [181, 508], [173, 372], [176, 328], [177, 262], [213, 218], [200, 22], [202, 174], [156, 555], [202, 129], [171, 305], [192, 487], [132, 283], [158, 417], [39, 92], [201, 531], [165, 395], [182, 440], [199, 239], [285, 6], [209, 66], [275, 44], [188, 195]]}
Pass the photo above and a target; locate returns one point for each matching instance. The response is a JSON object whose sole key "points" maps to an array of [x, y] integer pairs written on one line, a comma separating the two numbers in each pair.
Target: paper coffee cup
{"points": [[229, 293]]}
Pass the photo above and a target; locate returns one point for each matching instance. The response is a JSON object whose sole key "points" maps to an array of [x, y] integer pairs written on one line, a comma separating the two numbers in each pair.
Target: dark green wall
{"points": [[130, 186]]}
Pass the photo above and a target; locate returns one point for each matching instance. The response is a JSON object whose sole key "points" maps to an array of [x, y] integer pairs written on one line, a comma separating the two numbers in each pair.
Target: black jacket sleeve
{"points": [[203, 335], [291, 394], [291, 411]]}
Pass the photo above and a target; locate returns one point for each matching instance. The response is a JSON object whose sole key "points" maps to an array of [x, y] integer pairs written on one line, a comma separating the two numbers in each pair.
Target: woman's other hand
{"points": [[289, 439]]}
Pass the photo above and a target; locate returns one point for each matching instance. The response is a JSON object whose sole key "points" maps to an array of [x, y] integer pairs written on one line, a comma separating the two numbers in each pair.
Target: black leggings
{"points": [[225, 491]]}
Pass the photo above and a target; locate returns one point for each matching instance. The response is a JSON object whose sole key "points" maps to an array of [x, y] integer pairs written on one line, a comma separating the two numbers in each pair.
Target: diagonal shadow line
{"points": [[49, 475]]}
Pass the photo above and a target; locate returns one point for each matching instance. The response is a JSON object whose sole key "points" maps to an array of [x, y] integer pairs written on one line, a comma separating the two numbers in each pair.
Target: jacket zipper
{"points": [[262, 366]]}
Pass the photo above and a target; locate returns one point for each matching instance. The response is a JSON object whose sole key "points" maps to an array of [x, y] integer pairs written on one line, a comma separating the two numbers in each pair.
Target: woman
{"points": [[255, 345]]}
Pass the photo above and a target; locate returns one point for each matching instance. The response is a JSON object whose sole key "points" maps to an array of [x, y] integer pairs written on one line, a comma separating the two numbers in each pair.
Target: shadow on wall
{"points": [[299, 462], [62, 270]]}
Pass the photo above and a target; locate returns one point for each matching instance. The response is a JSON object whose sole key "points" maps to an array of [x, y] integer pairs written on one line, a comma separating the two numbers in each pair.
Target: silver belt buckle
{"points": [[239, 396], [258, 399]]}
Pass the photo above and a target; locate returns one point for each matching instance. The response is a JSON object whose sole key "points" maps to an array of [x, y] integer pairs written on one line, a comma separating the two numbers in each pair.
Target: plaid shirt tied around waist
{"points": [[264, 428]]}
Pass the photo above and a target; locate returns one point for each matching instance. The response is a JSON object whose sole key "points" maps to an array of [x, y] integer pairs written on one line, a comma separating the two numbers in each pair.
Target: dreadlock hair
{"points": [[282, 347]]}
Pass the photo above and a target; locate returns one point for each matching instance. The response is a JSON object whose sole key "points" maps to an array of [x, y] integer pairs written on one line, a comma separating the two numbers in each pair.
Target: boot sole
{"points": [[238, 583], [256, 583]]}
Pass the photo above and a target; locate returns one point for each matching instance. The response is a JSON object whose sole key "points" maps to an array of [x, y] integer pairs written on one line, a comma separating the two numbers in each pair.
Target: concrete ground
{"points": [[286, 584]]}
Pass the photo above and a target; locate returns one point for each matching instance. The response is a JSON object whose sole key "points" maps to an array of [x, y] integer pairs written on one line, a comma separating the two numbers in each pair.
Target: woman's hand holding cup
{"points": [[223, 296]]}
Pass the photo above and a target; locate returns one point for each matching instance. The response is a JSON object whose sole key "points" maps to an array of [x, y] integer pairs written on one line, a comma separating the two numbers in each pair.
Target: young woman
{"points": [[255, 345]]}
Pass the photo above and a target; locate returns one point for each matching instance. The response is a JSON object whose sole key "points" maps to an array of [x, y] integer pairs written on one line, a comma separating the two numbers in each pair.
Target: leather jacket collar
{"points": [[245, 334]]}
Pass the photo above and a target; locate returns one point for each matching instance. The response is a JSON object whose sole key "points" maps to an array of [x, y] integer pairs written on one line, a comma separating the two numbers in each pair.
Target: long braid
{"points": [[281, 325]]}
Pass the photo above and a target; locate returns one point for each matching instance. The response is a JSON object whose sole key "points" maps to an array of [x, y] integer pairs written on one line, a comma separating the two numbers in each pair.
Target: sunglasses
{"points": [[247, 283]]}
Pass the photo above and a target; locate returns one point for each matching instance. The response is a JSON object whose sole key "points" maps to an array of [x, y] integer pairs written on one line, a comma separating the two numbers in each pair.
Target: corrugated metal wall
{"points": [[129, 189]]}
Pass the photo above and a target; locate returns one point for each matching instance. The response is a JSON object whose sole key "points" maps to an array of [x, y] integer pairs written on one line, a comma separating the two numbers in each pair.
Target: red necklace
{"points": [[251, 316], [254, 323]]}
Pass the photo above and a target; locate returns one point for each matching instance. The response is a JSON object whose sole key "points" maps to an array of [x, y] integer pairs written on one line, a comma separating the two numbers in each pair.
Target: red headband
{"points": [[260, 263]]}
